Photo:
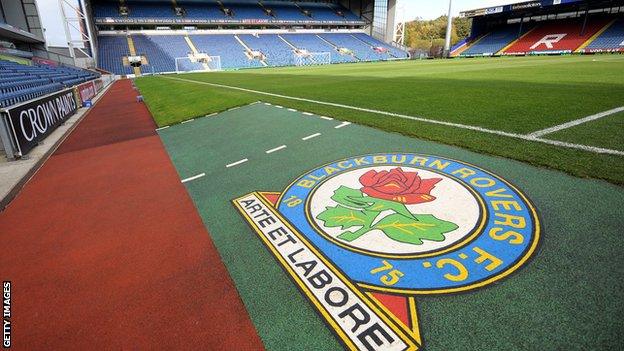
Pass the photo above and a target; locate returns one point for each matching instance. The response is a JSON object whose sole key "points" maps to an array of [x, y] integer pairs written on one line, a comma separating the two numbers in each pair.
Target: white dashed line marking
{"points": [[310, 136], [327, 118], [276, 149], [292, 110], [236, 163], [234, 108], [278, 106], [343, 124], [165, 127], [212, 114], [307, 113], [268, 104], [194, 177], [190, 120]]}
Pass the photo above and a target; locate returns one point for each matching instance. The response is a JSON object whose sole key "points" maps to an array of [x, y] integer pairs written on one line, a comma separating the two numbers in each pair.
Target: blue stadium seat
{"points": [[226, 46], [19, 83], [161, 52], [362, 51], [611, 39], [111, 50], [242, 10], [496, 40], [394, 52], [313, 43], [276, 50]]}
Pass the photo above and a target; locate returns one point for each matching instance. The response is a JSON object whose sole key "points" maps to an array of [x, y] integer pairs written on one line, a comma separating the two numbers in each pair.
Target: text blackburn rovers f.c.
{"points": [[362, 237]]}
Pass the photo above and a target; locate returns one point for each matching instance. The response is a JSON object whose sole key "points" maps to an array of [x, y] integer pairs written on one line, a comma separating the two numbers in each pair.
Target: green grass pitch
{"points": [[516, 95]]}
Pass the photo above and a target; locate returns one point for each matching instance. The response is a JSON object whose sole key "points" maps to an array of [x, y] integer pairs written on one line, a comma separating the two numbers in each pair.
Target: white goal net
{"points": [[306, 58], [197, 63]]}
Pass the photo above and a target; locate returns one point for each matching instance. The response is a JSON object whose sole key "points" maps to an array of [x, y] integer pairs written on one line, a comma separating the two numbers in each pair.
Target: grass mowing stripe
{"points": [[415, 118], [518, 95]]}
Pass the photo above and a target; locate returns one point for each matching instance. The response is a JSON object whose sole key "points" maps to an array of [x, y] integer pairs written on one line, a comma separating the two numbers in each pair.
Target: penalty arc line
{"points": [[593, 149]]}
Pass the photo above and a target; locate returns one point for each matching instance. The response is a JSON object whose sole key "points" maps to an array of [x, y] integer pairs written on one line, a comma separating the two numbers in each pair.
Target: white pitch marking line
{"points": [[188, 120], [236, 163], [327, 118], [194, 177], [276, 149], [576, 122], [292, 110], [310, 136], [307, 113], [343, 124], [161, 128], [414, 118]]}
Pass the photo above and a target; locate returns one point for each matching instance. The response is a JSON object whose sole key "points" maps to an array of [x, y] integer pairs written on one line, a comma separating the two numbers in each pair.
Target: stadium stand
{"points": [[160, 51], [230, 50], [394, 52], [314, 43], [361, 50], [611, 40], [275, 49], [237, 10], [561, 36], [495, 41], [19, 83], [546, 27], [112, 50], [229, 29]]}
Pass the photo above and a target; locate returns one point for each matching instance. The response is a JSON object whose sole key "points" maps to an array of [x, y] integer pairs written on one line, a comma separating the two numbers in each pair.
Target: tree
{"points": [[427, 34]]}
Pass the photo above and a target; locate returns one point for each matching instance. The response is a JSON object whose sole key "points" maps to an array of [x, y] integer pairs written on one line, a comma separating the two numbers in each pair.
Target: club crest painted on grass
{"points": [[363, 236]]}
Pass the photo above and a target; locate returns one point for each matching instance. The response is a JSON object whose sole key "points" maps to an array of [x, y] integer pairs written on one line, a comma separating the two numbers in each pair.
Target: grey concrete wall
{"points": [[14, 13], [392, 8], [32, 17]]}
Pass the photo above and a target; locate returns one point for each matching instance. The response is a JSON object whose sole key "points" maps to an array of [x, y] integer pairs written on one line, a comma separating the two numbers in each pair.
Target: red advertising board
{"points": [[43, 61], [86, 91]]}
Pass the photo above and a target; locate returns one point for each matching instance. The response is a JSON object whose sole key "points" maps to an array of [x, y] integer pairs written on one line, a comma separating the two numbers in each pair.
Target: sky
{"points": [[51, 19], [430, 9]]}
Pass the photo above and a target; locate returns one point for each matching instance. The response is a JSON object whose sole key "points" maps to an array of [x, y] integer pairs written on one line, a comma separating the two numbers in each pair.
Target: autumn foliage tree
{"points": [[429, 34]]}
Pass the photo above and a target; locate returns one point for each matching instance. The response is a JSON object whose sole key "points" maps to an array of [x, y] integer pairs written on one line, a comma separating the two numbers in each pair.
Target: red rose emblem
{"points": [[396, 185]]}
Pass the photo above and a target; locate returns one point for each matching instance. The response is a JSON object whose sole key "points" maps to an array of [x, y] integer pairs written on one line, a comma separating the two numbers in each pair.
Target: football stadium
{"points": [[312, 174]]}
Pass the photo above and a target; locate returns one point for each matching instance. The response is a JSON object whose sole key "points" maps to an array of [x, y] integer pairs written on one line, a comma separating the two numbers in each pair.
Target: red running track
{"points": [[105, 249]]}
